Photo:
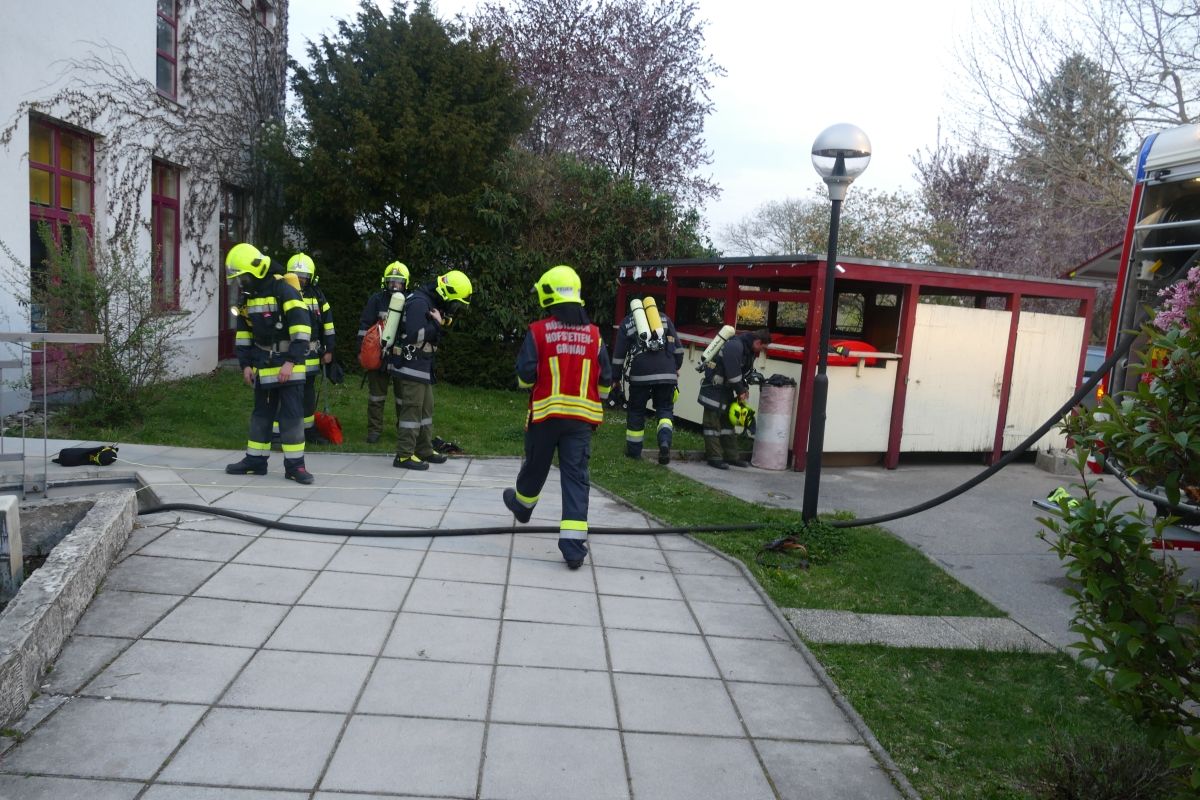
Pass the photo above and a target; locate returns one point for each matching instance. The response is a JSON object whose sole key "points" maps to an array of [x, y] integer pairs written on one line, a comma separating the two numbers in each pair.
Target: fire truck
{"points": [[1162, 234]]}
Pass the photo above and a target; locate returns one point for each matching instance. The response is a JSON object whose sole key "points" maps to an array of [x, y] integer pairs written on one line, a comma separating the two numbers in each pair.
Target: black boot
{"points": [[297, 473], [519, 511], [249, 465], [664, 454]]}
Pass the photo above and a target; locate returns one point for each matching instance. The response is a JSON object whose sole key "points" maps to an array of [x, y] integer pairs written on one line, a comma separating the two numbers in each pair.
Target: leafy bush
{"points": [[105, 288], [1154, 430], [1076, 769], [1138, 615]]}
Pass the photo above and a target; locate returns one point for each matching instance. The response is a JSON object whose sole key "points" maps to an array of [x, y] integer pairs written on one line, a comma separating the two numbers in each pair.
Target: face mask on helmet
{"points": [[395, 284]]}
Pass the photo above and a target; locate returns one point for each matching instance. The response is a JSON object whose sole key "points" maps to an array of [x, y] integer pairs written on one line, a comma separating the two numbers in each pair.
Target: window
{"points": [[164, 222], [233, 217], [60, 200], [261, 11], [234, 229], [849, 312], [168, 37]]}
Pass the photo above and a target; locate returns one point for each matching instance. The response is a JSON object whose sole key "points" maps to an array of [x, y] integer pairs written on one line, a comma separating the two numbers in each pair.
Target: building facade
{"points": [[133, 123]]}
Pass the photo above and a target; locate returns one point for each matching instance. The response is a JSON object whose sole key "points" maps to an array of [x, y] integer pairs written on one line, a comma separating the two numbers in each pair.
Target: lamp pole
{"points": [[840, 154]]}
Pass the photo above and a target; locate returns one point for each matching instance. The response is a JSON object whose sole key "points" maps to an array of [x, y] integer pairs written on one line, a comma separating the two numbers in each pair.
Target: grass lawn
{"points": [[960, 724], [967, 724]]}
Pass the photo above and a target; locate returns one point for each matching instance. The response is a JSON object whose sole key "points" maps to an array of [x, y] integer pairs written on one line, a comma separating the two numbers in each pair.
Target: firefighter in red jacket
{"points": [[564, 361], [273, 335]]}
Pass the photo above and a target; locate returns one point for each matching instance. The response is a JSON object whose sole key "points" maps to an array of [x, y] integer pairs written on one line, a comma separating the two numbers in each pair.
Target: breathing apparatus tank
{"points": [[392, 323], [709, 355], [654, 320], [639, 320]]}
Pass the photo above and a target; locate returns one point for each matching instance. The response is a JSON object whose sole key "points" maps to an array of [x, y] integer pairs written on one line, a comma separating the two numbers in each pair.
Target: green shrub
{"points": [[1079, 769], [1137, 613]]}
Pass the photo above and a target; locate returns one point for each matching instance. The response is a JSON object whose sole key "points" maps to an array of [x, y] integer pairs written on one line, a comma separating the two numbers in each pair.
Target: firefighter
{"points": [[725, 382], [429, 310], [273, 335], [395, 279], [649, 366], [320, 347], [564, 361]]}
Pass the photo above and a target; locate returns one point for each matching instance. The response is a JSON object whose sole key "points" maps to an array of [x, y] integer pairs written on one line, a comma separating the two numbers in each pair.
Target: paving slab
{"points": [[244, 662]]}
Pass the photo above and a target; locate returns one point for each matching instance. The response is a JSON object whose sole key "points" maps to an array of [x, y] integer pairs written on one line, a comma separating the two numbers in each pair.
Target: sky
{"points": [[793, 68]]}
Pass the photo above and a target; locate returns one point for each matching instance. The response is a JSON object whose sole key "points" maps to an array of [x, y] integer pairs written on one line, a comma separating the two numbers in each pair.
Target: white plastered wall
{"points": [[38, 39]]}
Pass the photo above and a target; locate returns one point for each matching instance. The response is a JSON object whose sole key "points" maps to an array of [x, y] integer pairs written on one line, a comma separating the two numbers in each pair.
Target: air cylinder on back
{"points": [[392, 323]]}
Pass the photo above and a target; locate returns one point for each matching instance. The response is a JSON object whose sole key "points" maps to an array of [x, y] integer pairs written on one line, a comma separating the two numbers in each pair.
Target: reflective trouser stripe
{"points": [[634, 436], [282, 403], [665, 422], [414, 418], [662, 377], [528, 502], [573, 529]]}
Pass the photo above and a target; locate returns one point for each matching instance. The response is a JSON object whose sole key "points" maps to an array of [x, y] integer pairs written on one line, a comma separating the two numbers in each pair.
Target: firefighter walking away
{"points": [[564, 363], [647, 358]]}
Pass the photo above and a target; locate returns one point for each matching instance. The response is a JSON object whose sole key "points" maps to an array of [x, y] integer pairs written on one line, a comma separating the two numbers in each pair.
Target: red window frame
{"points": [[262, 12], [164, 206], [168, 20], [54, 214]]}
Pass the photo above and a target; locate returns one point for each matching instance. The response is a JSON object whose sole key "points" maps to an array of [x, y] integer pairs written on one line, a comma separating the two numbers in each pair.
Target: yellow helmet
{"points": [[302, 264], [741, 416], [559, 284], [455, 285], [244, 259], [395, 271]]}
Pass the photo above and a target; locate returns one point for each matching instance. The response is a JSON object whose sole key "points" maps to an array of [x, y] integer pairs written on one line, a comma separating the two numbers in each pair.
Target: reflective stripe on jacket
{"points": [[568, 368], [274, 327]]}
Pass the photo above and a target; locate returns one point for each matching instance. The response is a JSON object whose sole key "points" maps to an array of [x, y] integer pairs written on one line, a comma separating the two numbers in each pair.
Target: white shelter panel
{"points": [[1044, 372], [954, 379]]}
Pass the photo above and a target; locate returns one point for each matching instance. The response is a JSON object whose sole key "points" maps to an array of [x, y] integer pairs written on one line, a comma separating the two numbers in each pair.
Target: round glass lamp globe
{"points": [[841, 153]]}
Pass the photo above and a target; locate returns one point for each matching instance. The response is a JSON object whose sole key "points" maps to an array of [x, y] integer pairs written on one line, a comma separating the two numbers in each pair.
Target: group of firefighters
{"points": [[285, 336]]}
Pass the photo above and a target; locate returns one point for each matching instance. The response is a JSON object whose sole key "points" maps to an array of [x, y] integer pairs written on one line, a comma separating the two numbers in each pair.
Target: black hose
{"points": [[418, 532]]}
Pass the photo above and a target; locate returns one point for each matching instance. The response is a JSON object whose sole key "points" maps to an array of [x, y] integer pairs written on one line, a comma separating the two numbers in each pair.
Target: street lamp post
{"points": [[840, 154]]}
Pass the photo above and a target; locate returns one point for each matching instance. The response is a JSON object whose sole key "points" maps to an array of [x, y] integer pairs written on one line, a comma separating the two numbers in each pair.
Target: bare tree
{"points": [[875, 224], [622, 83], [1153, 48]]}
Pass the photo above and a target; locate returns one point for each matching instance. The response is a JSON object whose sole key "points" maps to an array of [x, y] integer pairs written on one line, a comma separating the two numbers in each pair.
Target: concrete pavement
{"points": [[222, 659]]}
